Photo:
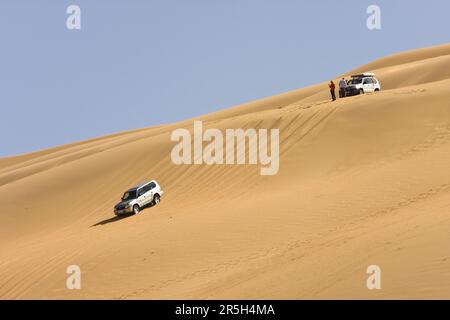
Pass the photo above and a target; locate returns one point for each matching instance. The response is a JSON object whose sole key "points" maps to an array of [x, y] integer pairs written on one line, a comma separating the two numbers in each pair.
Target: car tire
{"points": [[361, 91], [156, 199], [376, 90], [136, 209]]}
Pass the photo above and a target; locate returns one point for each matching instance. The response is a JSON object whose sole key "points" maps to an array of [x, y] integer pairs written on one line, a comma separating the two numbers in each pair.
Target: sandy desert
{"points": [[362, 181]]}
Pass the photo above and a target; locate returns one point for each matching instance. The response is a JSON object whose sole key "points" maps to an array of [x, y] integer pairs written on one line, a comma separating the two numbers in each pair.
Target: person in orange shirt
{"points": [[332, 90]]}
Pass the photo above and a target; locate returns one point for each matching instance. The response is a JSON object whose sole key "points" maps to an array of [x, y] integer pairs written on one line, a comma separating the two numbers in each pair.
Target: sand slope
{"points": [[362, 181]]}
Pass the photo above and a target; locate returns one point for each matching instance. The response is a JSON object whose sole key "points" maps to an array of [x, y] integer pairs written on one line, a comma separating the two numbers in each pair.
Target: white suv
{"points": [[362, 83], [136, 198]]}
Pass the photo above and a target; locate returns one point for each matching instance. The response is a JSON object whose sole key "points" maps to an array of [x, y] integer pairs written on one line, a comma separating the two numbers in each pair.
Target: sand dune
{"points": [[364, 180]]}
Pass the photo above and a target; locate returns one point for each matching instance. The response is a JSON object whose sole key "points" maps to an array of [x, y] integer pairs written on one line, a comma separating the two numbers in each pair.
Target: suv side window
{"points": [[140, 192], [151, 185]]}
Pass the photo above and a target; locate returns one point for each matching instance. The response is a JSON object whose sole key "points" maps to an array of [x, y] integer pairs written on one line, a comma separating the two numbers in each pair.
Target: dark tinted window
{"points": [[130, 194], [355, 81], [148, 187]]}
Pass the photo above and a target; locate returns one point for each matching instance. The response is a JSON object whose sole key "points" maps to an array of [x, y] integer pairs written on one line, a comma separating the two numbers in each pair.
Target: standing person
{"points": [[332, 88], [342, 87]]}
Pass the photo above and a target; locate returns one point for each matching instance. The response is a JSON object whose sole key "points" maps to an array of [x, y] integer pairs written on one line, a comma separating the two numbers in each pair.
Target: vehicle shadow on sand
{"points": [[117, 218], [113, 219]]}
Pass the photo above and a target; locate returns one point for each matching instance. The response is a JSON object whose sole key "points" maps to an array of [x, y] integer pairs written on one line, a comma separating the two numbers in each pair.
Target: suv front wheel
{"points": [[136, 209]]}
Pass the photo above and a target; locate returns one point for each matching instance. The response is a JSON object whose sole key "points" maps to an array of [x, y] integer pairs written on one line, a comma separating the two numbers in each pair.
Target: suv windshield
{"points": [[129, 195], [355, 81]]}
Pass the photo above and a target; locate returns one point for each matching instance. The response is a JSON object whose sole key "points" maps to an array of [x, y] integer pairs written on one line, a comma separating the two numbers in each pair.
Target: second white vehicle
{"points": [[134, 199], [362, 83]]}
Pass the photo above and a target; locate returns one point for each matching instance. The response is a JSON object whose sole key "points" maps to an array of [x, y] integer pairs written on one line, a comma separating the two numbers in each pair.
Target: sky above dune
{"points": [[140, 63]]}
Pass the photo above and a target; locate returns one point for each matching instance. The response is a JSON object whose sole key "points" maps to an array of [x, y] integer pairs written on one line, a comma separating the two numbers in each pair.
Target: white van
{"points": [[362, 83]]}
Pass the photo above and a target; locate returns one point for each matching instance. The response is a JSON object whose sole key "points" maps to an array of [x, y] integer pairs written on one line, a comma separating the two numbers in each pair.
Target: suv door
{"points": [[154, 187], [148, 193], [368, 85], [141, 197], [151, 191]]}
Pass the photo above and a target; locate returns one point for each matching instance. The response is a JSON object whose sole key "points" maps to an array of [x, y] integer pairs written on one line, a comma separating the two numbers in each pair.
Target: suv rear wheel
{"points": [[156, 199]]}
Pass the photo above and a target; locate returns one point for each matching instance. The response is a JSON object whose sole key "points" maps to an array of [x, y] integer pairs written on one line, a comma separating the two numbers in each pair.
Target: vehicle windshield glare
{"points": [[129, 195]]}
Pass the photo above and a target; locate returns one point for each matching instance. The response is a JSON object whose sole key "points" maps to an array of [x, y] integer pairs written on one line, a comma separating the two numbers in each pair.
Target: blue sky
{"points": [[140, 63]]}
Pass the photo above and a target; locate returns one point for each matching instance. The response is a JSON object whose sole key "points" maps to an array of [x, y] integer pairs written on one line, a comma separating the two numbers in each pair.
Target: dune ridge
{"points": [[363, 180]]}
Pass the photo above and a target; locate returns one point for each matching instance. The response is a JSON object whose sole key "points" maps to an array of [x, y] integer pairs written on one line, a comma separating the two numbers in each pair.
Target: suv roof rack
{"points": [[362, 75]]}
